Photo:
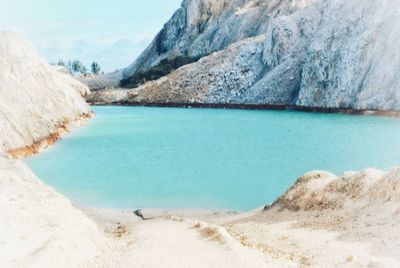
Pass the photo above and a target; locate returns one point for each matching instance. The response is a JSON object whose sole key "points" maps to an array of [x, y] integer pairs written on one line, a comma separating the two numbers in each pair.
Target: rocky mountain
{"points": [[320, 53], [201, 27]]}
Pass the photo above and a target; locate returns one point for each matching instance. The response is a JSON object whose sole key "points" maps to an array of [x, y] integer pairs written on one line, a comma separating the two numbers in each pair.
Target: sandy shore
{"points": [[176, 238], [322, 221]]}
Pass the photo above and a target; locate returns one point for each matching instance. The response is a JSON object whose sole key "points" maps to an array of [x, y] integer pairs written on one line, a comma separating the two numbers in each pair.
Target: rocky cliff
{"points": [[201, 27], [330, 54]]}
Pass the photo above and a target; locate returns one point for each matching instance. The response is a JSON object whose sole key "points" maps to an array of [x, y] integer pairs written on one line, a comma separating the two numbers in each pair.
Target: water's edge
{"points": [[218, 207], [274, 107], [61, 129]]}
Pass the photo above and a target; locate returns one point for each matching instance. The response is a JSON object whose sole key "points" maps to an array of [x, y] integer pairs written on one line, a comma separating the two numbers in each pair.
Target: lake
{"points": [[138, 157]]}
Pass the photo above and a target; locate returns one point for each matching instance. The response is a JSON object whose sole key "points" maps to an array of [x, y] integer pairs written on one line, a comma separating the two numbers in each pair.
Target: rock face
{"points": [[351, 60], [35, 99], [213, 79], [201, 27], [329, 54]]}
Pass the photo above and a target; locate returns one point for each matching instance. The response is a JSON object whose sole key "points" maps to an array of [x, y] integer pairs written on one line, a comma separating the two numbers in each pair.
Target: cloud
{"points": [[111, 52], [112, 33], [113, 45]]}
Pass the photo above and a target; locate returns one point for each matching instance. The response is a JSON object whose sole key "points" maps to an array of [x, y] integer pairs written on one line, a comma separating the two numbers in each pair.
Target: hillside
{"points": [[329, 54], [37, 102], [355, 216], [38, 227]]}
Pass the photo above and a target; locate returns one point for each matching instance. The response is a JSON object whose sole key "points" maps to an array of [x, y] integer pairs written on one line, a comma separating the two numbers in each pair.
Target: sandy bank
{"points": [[39, 227], [42, 144], [35, 99], [322, 221]]}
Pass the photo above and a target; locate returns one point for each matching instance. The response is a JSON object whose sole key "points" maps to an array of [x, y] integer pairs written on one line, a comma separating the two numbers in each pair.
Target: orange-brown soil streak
{"points": [[38, 146]]}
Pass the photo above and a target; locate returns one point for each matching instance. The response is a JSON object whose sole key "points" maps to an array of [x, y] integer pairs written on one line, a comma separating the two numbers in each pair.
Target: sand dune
{"points": [[322, 221], [39, 227]]}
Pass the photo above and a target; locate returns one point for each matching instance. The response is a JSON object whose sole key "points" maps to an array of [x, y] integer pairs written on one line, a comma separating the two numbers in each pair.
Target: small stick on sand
{"points": [[140, 215]]}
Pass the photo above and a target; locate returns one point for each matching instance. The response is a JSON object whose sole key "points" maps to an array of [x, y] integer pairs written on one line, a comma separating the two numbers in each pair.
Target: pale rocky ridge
{"points": [[38, 226], [36, 100], [329, 54], [204, 81], [201, 27]]}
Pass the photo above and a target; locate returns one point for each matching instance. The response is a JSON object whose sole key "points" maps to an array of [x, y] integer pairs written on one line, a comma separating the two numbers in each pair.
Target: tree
{"points": [[95, 68], [84, 70], [61, 63], [70, 67], [78, 67]]}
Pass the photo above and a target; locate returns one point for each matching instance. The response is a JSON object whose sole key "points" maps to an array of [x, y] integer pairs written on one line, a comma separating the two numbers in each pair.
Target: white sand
{"points": [[322, 221], [39, 227], [329, 221], [34, 97], [173, 243]]}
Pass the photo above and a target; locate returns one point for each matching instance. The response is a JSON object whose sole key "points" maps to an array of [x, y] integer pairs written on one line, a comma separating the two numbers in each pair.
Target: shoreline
{"points": [[61, 129], [271, 107], [114, 215], [320, 214]]}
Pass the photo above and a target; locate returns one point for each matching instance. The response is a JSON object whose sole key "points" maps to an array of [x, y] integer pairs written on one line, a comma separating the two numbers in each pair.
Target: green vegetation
{"points": [[95, 68], [165, 67], [61, 63], [77, 67]]}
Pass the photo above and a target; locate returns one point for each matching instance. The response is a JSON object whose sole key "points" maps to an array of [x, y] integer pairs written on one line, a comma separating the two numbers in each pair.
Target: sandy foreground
{"points": [[322, 221], [349, 237]]}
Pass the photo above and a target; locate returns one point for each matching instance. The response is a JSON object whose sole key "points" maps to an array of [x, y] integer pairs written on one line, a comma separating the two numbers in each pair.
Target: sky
{"points": [[112, 33]]}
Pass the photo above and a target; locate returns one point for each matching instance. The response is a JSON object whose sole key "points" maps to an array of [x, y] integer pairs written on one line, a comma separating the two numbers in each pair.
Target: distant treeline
{"points": [[77, 67]]}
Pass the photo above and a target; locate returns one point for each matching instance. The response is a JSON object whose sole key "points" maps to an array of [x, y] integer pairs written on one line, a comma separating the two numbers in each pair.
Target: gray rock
{"points": [[201, 27], [352, 60], [329, 54]]}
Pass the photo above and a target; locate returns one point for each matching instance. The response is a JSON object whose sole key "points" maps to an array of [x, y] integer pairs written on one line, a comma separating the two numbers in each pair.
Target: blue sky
{"points": [[112, 32]]}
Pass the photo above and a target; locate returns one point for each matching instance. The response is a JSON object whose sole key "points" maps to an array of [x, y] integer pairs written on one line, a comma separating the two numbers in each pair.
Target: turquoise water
{"points": [[136, 157]]}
